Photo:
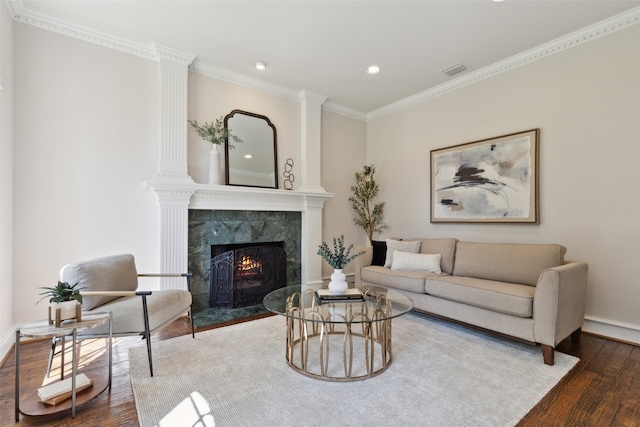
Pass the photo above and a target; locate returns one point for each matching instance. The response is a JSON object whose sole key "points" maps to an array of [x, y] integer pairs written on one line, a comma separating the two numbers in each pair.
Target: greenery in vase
{"points": [[62, 292], [214, 132], [339, 257], [368, 214]]}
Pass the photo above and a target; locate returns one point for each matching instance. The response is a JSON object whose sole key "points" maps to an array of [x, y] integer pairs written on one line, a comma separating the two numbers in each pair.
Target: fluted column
{"points": [[312, 238], [174, 72], [310, 150]]}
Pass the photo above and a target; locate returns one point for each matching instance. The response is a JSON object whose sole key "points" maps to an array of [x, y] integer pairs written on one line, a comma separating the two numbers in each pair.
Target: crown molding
{"points": [[576, 38], [153, 52], [243, 80], [20, 14]]}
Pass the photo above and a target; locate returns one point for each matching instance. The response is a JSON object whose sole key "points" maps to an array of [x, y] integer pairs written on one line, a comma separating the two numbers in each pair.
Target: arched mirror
{"points": [[253, 163]]}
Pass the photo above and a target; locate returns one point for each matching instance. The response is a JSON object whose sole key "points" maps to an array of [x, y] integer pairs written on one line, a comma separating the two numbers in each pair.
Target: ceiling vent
{"points": [[455, 69]]}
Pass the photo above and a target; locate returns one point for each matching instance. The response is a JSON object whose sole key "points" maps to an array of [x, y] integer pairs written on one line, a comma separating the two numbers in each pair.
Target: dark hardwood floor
{"points": [[602, 390]]}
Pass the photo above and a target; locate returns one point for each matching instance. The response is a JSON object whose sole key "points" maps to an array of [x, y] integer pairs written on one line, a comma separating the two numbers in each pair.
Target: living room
{"points": [[80, 130]]}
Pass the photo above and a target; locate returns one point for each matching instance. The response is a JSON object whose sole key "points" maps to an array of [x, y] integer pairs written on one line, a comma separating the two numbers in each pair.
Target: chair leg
{"points": [[193, 332], [147, 333]]}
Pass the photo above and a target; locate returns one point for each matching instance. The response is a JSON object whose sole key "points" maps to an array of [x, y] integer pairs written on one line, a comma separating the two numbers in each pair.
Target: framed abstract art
{"points": [[489, 181]]}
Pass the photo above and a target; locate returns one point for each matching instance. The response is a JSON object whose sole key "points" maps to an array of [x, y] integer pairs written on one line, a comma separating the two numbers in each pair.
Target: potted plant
{"points": [[65, 297], [368, 214], [216, 133], [338, 258]]}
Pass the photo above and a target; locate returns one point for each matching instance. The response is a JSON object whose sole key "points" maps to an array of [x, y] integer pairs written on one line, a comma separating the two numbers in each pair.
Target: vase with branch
{"points": [[338, 258], [368, 213], [217, 134]]}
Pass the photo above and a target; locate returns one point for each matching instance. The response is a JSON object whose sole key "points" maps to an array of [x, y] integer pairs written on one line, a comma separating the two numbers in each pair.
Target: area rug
{"points": [[442, 374]]}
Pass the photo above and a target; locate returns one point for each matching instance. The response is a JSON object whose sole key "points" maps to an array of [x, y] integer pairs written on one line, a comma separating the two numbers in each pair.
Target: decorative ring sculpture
{"points": [[288, 176]]}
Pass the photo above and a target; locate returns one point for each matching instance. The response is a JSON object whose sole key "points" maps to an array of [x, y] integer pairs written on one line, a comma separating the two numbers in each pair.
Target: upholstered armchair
{"points": [[110, 284]]}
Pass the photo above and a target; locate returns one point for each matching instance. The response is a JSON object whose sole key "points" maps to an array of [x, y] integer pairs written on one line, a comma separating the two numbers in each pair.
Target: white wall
{"points": [[210, 99], [86, 137], [586, 102], [6, 179], [343, 154]]}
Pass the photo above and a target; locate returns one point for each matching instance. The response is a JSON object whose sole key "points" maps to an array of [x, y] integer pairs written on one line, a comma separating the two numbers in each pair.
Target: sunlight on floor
{"points": [[192, 411]]}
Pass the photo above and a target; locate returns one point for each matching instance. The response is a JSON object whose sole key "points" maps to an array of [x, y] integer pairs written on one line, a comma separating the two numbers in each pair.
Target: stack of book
{"points": [[324, 296], [57, 392]]}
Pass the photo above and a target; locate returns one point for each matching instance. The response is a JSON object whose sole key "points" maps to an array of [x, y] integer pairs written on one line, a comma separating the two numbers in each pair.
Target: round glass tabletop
{"points": [[303, 303]]}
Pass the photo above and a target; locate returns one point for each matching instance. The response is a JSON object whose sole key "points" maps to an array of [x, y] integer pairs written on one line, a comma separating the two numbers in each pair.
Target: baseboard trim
{"points": [[612, 329]]}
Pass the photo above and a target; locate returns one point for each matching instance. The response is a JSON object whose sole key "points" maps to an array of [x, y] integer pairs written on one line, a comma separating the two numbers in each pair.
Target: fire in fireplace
{"points": [[243, 273]]}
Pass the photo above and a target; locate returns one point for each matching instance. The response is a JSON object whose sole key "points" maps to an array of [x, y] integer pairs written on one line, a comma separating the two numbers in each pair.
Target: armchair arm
{"points": [[185, 275], [559, 302], [361, 261]]}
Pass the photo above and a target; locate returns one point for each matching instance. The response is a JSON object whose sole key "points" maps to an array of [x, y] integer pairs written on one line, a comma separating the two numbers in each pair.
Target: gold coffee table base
{"points": [[364, 329]]}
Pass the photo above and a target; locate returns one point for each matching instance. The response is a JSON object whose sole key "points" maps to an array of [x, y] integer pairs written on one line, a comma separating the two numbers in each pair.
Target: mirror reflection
{"points": [[254, 162]]}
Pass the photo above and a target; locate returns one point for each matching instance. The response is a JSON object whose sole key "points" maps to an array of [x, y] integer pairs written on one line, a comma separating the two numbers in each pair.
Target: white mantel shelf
{"points": [[176, 196], [227, 197]]}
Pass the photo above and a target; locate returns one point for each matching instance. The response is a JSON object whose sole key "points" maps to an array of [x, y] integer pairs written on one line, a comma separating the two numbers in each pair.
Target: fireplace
{"points": [[242, 274]]}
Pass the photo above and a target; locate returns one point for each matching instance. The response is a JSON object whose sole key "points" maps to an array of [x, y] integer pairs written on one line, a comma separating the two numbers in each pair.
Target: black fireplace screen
{"points": [[242, 277]]}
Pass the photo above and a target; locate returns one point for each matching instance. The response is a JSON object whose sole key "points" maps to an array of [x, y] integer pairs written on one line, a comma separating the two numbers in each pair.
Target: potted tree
{"points": [[64, 300], [368, 215], [216, 134], [338, 258]]}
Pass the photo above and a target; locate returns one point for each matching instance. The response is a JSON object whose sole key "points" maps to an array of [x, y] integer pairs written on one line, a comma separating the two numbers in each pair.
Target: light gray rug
{"points": [[442, 375]]}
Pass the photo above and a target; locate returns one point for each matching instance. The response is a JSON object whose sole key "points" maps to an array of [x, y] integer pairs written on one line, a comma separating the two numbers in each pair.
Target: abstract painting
{"points": [[492, 180]]}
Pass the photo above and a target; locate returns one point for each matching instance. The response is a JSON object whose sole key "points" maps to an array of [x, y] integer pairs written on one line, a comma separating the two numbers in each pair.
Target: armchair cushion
{"points": [[163, 307], [111, 273]]}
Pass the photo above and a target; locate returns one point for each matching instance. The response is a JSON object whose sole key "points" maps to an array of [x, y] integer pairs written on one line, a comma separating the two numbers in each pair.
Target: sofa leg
{"points": [[575, 335], [548, 354]]}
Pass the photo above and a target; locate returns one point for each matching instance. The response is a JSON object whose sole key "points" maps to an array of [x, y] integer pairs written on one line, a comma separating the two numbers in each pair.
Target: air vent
{"points": [[455, 69]]}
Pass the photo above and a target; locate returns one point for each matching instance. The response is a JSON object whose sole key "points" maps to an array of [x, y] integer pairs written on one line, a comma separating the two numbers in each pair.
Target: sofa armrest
{"points": [[362, 261], [559, 302]]}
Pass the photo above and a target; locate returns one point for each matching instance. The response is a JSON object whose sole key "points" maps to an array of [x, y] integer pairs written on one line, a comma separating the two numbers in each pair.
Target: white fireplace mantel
{"points": [[175, 200], [177, 192]]}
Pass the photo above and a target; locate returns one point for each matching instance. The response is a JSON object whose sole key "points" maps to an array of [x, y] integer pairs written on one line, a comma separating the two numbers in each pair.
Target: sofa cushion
{"points": [[111, 273], [400, 245], [509, 298], [444, 247], [416, 262], [504, 262], [407, 280]]}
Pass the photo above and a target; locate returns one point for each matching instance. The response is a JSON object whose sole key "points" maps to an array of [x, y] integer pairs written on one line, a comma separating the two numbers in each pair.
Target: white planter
{"points": [[67, 309], [215, 171], [338, 284]]}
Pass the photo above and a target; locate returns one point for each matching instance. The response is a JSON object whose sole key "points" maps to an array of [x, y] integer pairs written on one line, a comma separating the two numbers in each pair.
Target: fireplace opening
{"points": [[242, 274]]}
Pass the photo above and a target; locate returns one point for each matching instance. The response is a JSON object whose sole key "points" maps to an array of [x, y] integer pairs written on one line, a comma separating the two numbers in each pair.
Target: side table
{"points": [[42, 329]]}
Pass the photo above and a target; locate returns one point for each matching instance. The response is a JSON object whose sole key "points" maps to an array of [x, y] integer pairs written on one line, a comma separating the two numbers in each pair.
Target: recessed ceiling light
{"points": [[498, 1], [248, 156], [373, 69], [261, 65]]}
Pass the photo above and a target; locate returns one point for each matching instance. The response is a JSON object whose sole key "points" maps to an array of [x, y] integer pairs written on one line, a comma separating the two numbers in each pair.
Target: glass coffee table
{"points": [[342, 340]]}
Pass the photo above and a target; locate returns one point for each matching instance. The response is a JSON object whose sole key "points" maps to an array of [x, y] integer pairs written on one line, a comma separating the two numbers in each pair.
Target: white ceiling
{"points": [[325, 46]]}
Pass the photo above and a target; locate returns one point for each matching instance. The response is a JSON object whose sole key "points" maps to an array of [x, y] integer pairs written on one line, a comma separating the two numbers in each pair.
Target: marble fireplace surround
{"points": [[175, 201]]}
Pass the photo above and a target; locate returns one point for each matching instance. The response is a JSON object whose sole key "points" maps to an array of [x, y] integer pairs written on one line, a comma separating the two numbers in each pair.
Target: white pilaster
{"points": [[311, 239], [310, 150], [174, 235], [174, 71]]}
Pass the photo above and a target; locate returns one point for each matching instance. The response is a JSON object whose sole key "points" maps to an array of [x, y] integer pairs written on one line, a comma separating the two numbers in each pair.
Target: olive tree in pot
{"points": [[368, 214]]}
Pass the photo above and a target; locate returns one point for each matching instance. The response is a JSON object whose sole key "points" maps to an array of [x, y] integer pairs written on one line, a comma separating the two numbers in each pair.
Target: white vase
{"points": [[67, 309], [338, 283], [215, 175]]}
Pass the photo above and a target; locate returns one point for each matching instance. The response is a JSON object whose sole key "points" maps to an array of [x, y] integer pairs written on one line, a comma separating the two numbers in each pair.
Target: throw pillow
{"points": [[379, 252], [416, 262], [399, 245]]}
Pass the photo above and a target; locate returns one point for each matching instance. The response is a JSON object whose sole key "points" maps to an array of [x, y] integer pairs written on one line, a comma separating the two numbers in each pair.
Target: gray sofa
{"points": [[527, 291]]}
